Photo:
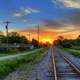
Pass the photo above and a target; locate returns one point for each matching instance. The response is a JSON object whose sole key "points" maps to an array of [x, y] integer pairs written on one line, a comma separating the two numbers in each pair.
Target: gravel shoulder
{"points": [[73, 59], [43, 70]]}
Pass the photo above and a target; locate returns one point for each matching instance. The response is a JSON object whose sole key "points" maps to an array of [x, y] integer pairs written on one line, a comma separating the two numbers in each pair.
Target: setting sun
{"points": [[47, 40]]}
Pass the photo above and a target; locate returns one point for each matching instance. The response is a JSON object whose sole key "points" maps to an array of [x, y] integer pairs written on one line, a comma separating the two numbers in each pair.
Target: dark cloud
{"points": [[53, 23], [73, 19], [70, 18]]}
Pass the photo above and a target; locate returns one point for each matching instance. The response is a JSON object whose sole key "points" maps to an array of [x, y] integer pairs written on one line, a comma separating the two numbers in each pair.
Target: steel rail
{"points": [[74, 67], [54, 64], [71, 64]]}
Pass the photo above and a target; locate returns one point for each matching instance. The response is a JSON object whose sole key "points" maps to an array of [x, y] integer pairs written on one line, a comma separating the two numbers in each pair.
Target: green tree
{"points": [[14, 37]]}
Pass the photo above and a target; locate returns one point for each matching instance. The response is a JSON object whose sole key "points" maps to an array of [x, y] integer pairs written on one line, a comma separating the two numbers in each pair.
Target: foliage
{"points": [[14, 37], [35, 43], [14, 42], [68, 43]]}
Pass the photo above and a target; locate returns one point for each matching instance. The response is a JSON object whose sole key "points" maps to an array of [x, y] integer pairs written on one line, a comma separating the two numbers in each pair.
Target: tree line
{"points": [[15, 41], [68, 43]]}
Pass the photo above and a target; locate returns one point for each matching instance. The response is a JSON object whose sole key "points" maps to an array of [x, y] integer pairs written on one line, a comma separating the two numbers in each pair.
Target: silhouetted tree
{"points": [[35, 43], [78, 37]]}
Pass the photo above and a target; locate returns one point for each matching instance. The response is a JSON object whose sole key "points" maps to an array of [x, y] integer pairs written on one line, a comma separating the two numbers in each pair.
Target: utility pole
{"points": [[38, 35], [33, 35], [6, 27], [29, 35]]}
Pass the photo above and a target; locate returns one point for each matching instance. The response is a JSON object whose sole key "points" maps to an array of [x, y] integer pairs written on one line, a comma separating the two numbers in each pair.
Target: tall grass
{"points": [[74, 52], [7, 66]]}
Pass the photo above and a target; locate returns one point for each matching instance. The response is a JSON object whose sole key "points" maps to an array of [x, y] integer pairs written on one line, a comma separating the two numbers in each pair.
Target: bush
{"points": [[67, 45]]}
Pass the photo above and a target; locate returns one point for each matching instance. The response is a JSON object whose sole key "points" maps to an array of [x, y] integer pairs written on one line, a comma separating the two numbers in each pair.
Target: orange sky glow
{"points": [[50, 36]]}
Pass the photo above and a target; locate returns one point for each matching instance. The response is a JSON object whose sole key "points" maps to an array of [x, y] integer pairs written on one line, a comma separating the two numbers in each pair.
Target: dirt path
{"points": [[19, 54], [41, 71]]}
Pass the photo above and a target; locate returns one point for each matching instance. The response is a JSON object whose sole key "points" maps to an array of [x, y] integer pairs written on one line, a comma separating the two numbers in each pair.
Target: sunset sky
{"points": [[55, 17]]}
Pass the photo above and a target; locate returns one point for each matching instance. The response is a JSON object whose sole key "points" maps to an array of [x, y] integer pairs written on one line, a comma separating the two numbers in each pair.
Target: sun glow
{"points": [[47, 40], [50, 36]]}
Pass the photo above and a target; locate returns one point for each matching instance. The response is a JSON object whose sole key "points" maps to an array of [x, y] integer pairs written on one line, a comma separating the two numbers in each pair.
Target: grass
{"points": [[7, 66], [76, 47], [13, 53], [74, 52], [6, 54]]}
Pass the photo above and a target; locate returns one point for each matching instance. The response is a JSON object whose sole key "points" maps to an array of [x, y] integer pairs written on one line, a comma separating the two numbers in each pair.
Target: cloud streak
{"points": [[73, 19], [25, 11], [63, 26], [53, 23]]}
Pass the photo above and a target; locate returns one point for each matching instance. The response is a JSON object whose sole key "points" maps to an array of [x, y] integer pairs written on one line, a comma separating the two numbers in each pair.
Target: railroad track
{"points": [[63, 68]]}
